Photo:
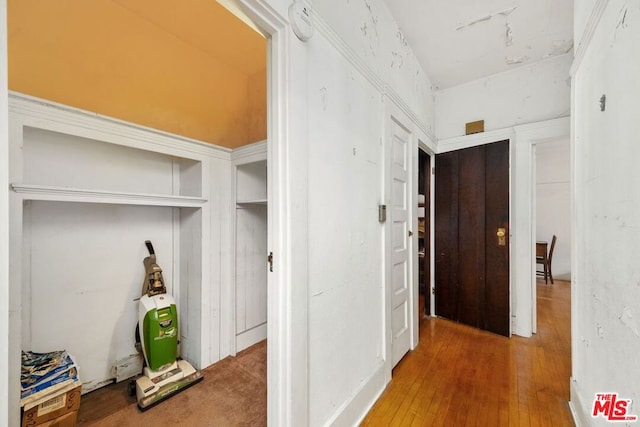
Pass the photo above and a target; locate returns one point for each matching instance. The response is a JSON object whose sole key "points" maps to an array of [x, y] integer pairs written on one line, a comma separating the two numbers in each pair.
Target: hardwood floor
{"points": [[461, 376], [458, 376]]}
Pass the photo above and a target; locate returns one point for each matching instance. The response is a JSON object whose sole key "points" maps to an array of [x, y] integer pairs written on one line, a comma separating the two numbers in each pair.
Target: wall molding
{"points": [[353, 411], [587, 35], [466, 141], [368, 72], [38, 108], [576, 406], [247, 153]]}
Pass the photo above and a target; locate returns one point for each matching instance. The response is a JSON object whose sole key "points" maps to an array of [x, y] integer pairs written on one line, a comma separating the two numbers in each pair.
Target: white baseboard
{"points": [[578, 410], [253, 336], [354, 411]]}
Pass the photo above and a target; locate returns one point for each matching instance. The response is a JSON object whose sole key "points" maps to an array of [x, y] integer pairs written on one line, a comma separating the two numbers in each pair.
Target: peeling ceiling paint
{"points": [[464, 40]]}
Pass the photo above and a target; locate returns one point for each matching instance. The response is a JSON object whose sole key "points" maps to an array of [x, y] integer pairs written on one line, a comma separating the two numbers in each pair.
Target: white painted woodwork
{"points": [[87, 191], [7, 362], [400, 222], [250, 251]]}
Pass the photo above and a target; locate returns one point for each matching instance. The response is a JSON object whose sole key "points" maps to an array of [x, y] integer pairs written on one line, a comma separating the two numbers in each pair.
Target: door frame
{"points": [[418, 138], [522, 250], [528, 136], [13, 417], [422, 146], [287, 309], [287, 376]]}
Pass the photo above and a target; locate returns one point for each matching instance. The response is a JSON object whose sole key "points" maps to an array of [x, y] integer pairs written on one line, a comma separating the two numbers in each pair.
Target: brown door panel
{"points": [[472, 264], [446, 235]]}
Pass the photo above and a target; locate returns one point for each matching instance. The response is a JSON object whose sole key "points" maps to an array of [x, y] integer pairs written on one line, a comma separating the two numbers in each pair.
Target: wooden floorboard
{"points": [[461, 376], [457, 376]]}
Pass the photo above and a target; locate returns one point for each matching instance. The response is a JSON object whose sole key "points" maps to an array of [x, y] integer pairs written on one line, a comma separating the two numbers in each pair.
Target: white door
{"points": [[399, 156]]}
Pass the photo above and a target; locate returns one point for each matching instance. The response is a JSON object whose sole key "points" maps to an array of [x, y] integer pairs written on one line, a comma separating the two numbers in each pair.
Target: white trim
{"points": [[587, 35], [369, 73], [523, 276], [6, 361], [287, 313], [44, 192], [107, 129], [473, 140], [352, 412], [250, 337], [249, 153], [577, 408]]}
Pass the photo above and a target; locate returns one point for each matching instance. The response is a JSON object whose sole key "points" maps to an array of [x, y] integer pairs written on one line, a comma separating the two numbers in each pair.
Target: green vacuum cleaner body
{"points": [[159, 319], [164, 375]]}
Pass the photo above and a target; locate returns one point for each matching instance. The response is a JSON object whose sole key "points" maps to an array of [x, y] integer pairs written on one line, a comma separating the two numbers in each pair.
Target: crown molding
{"points": [[587, 35]]}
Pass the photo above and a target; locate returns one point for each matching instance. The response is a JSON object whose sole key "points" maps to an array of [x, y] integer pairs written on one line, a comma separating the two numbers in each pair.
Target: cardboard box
{"points": [[69, 419], [60, 410]]}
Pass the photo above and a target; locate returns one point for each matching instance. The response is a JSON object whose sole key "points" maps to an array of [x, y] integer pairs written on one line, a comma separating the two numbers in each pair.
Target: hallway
{"points": [[462, 376]]}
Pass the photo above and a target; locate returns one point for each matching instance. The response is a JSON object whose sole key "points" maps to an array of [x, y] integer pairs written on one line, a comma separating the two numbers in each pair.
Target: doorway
{"points": [[551, 194], [472, 237], [208, 352], [424, 233]]}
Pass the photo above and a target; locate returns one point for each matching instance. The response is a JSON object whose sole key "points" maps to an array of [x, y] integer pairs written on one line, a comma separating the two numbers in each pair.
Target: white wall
{"points": [[553, 202], [370, 31], [605, 276], [527, 94], [351, 73]]}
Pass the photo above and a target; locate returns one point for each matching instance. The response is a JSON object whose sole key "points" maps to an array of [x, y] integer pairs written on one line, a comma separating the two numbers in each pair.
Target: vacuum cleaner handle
{"points": [[149, 247]]}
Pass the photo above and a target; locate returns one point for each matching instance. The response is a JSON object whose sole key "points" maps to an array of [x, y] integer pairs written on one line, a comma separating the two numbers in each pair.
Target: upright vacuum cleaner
{"points": [[157, 333]]}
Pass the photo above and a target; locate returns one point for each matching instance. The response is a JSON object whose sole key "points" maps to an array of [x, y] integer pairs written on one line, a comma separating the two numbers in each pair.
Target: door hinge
{"points": [[270, 261], [382, 213]]}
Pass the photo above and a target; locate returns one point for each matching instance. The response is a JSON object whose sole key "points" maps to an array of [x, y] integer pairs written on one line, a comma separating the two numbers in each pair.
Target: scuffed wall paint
{"points": [[345, 257], [528, 94], [606, 288], [369, 29], [356, 59]]}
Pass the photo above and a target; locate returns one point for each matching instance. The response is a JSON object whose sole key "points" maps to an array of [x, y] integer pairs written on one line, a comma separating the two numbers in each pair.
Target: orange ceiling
{"points": [[193, 70]]}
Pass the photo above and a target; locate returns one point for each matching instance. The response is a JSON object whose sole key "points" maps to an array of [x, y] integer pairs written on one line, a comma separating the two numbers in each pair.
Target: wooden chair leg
{"points": [[550, 275], [546, 273]]}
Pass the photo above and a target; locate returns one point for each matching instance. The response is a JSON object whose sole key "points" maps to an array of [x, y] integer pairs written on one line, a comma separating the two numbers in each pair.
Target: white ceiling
{"points": [[457, 41]]}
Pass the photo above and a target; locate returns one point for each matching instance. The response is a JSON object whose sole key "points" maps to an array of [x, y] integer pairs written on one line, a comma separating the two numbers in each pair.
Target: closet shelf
{"points": [[249, 203], [65, 194]]}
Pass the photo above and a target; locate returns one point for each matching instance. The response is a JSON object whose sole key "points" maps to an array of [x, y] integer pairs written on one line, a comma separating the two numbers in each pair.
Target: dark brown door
{"points": [[472, 261]]}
